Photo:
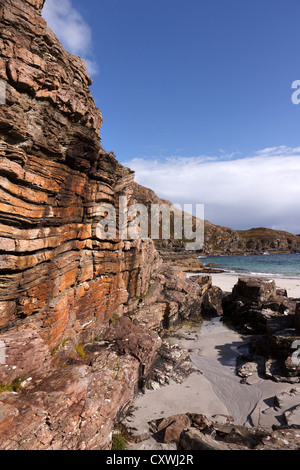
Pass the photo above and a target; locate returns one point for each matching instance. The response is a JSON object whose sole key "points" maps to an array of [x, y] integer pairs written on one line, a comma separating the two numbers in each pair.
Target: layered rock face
{"points": [[80, 317], [54, 272], [59, 284]]}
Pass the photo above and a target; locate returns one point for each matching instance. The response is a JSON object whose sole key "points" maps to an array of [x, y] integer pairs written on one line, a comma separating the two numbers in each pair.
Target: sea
{"points": [[277, 265]]}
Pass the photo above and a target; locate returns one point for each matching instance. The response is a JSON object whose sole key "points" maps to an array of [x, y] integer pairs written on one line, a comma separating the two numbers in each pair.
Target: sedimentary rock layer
{"points": [[80, 316], [53, 176]]}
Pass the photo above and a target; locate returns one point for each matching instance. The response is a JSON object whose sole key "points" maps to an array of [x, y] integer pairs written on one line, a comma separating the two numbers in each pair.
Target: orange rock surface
{"points": [[62, 290]]}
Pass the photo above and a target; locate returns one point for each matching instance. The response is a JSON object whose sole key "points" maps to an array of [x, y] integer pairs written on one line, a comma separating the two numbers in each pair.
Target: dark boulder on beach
{"points": [[254, 290], [212, 305], [256, 308]]}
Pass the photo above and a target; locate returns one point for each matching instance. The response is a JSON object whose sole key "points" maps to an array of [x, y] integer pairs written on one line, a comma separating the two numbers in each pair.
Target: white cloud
{"points": [[72, 30], [260, 190]]}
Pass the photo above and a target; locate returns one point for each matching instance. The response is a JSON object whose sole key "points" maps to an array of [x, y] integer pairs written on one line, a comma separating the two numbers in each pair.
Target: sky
{"points": [[196, 97]]}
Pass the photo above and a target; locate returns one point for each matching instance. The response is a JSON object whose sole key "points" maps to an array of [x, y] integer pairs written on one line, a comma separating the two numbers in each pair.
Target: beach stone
{"points": [[254, 289], [212, 302], [280, 344], [172, 364], [247, 369], [292, 367], [195, 440], [173, 427], [292, 417], [222, 419], [286, 399], [200, 421], [281, 292], [274, 370]]}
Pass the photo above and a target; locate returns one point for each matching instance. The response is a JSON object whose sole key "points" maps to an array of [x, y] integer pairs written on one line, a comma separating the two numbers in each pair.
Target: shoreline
{"points": [[247, 253], [226, 282]]}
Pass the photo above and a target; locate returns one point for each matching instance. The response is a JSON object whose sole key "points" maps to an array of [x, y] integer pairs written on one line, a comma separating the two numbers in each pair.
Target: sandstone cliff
{"points": [[80, 318], [54, 174]]}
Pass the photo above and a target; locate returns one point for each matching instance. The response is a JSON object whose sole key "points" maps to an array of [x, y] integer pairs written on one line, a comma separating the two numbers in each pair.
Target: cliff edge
{"points": [[80, 317]]}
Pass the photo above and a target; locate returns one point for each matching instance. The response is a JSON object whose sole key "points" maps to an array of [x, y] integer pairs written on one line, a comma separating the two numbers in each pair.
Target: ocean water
{"points": [[281, 265]]}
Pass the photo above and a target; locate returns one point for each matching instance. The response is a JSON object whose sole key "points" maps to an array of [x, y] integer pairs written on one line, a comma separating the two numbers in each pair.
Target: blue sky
{"points": [[196, 98]]}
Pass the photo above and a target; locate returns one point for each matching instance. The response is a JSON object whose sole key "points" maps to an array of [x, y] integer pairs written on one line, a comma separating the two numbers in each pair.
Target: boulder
{"points": [[247, 370], [195, 440], [281, 293], [254, 290], [292, 417], [128, 338], [171, 428], [212, 305], [199, 421]]}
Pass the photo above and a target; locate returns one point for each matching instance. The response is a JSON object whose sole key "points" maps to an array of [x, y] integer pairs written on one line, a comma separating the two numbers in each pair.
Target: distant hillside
{"points": [[262, 239], [224, 240]]}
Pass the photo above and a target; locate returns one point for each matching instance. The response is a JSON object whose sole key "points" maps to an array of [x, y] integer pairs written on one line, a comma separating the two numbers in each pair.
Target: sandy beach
{"points": [[226, 281], [214, 389]]}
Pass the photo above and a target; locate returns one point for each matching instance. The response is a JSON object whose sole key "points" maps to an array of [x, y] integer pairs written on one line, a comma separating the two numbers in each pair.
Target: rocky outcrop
{"points": [[187, 262], [80, 317], [71, 397], [267, 240], [196, 432], [223, 240], [256, 308], [56, 275]]}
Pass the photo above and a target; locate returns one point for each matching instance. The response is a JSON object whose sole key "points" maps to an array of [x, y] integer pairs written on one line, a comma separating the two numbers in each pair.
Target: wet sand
{"points": [[215, 389]]}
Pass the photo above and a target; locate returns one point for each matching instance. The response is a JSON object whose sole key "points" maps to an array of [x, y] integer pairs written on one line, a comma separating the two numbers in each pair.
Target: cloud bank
{"points": [[262, 190], [72, 30]]}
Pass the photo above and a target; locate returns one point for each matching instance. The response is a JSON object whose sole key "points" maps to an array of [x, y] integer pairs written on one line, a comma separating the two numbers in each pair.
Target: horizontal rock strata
{"points": [[60, 286], [80, 317]]}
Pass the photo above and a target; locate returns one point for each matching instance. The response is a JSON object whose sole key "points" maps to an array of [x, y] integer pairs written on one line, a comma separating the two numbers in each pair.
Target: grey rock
{"points": [[195, 440], [292, 417]]}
